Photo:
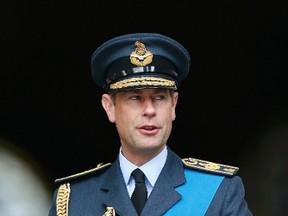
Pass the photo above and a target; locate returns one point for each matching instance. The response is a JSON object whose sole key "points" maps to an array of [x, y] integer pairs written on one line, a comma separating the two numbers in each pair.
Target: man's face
{"points": [[143, 119]]}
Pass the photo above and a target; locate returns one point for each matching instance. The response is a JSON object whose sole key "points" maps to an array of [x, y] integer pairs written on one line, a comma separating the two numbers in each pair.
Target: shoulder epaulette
{"points": [[210, 166], [100, 166]]}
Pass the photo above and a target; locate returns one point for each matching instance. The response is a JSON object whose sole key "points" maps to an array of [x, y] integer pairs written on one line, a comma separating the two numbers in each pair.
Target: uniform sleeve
{"points": [[229, 199], [52, 211]]}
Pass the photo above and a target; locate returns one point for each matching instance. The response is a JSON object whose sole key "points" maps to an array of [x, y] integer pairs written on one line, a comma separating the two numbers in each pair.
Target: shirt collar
{"points": [[151, 169]]}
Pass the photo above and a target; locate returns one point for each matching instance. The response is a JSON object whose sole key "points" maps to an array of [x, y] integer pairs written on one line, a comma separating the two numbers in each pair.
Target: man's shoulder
{"points": [[211, 167], [98, 169]]}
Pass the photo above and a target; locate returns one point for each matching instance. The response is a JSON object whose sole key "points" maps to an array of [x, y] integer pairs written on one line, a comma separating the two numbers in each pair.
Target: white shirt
{"points": [[151, 169]]}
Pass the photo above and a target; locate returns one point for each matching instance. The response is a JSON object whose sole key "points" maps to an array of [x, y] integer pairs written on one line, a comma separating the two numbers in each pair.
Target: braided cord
{"points": [[62, 200]]}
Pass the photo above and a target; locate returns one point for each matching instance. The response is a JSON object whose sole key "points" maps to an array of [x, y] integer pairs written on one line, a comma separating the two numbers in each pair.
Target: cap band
{"points": [[123, 67]]}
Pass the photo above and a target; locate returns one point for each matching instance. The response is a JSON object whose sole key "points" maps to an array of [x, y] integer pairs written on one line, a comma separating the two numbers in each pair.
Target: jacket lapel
{"points": [[162, 198], [164, 195], [116, 192]]}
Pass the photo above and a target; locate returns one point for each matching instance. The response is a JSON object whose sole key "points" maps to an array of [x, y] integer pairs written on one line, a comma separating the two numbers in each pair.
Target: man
{"points": [[140, 74]]}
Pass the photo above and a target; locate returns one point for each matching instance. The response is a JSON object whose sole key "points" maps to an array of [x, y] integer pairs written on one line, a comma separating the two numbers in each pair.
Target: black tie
{"points": [[139, 196]]}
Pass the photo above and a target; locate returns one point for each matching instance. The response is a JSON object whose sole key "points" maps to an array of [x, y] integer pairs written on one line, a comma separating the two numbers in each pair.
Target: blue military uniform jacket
{"points": [[91, 192]]}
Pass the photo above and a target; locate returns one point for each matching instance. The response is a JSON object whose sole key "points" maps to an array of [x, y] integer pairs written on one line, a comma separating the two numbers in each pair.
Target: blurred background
{"points": [[232, 108]]}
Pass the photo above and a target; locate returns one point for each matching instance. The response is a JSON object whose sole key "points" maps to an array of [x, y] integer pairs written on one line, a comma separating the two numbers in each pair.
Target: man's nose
{"points": [[149, 107]]}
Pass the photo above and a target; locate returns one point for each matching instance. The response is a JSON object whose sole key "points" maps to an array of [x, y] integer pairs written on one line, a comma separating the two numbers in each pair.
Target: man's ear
{"points": [[174, 100], [108, 105]]}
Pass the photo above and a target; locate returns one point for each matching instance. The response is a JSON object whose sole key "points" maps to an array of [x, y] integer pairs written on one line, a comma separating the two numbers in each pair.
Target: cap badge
{"points": [[141, 56]]}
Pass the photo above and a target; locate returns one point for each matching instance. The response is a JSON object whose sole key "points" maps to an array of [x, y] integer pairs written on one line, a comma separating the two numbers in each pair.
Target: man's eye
{"points": [[134, 97], [159, 97]]}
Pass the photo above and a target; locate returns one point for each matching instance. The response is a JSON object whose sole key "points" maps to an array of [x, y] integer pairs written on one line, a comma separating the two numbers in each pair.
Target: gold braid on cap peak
{"points": [[143, 81], [141, 56]]}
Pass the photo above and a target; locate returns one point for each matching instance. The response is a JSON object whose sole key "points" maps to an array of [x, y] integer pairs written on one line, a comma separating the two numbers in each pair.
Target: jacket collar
{"points": [[163, 196]]}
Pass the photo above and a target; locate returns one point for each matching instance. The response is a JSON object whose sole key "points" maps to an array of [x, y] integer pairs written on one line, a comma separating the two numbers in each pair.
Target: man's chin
{"points": [[151, 149]]}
